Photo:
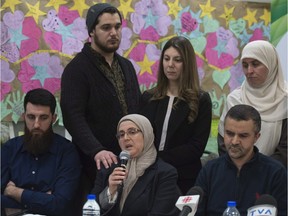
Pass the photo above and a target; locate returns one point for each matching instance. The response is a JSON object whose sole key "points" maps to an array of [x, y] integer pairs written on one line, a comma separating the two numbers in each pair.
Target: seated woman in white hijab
{"points": [[265, 89], [149, 184]]}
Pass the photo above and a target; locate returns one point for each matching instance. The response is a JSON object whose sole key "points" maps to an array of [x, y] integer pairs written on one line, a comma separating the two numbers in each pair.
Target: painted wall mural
{"points": [[39, 38], [279, 31]]}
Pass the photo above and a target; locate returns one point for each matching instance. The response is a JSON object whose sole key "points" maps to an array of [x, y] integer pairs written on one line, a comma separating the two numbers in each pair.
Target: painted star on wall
{"points": [[65, 31], [228, 14], [257, 26], [177, 22], [197, 16], [56, 4], [195, 34], [207, 9], [125, 8], [150, 19], [266, 17], [10, 4], [174, 8], [16, 36], [34, 11], [250, 17], [80, 6], [41, 74], [220, 48], [245, 38], [145, 65]]}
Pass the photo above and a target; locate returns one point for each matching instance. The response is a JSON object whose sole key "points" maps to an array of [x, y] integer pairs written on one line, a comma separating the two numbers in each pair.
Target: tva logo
{"points": [[260, 212]]}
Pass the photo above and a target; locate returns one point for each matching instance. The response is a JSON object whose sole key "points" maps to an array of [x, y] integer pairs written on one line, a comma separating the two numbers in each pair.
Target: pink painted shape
{"points": [[188, 22], [54, 40], [28, 46], [224, 60], [5, 89], [67, 16], [52, 84], [211, 40], [31, 30], [31, 84], [138, 53], [26, 72], [257, 35], [149, 33], [24, 76]]}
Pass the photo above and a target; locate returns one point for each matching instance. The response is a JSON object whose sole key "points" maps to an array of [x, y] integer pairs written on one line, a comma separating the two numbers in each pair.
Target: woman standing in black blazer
{"points": [[179, 111]]}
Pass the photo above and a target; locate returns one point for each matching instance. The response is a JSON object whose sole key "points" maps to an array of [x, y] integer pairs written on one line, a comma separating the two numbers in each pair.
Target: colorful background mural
{"points": [[38, 39], [279, 31]]}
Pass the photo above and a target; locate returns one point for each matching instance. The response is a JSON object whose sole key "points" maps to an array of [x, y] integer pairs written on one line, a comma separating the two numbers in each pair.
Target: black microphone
{"points": [[124, 157], [188, 204], [264, 205]]}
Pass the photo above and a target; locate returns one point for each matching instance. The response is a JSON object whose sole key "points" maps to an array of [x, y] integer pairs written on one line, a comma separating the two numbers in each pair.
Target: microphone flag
{"points": [[191, 201], [262, 210]]}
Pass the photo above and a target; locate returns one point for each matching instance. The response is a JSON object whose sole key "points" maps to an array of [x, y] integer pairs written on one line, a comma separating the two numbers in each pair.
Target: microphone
{"points": [[188, 204], [124, 157], [264, 205]]}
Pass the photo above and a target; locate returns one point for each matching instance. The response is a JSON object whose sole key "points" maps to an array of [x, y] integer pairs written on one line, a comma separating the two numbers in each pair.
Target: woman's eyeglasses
{"points": [[130, 133]]}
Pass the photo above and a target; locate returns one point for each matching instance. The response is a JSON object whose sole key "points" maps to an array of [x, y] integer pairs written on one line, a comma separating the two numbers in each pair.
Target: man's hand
{"points": [[105, 157], [14, 192]]}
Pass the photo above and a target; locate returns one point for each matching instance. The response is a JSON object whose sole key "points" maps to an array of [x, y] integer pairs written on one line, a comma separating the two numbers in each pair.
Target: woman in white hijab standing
{"points": [[149, 184], [266, 90]]}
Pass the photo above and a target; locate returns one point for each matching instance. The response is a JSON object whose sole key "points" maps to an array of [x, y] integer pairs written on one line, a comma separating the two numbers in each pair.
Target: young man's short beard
{"points": [[38, 143], [103, 47]]}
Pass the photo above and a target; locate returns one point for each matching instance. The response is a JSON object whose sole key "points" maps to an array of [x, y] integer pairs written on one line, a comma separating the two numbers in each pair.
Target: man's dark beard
{"points": [[38, 143], [103, 47]]}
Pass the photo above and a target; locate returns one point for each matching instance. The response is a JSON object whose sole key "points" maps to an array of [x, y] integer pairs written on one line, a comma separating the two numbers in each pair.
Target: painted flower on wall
{"points": [[41, 70], [21, 35]]}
